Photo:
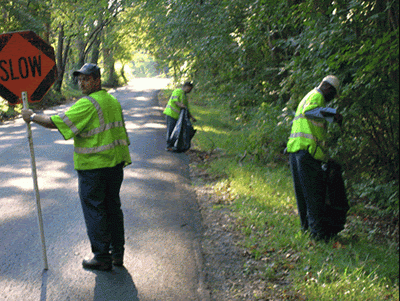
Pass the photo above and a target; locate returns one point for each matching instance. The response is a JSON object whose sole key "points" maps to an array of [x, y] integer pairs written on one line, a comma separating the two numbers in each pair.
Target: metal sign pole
{"points": [[35, 183]]}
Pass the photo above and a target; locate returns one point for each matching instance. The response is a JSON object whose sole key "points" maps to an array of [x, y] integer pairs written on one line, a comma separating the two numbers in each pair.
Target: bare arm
{"points": [[42, 120], [182, 106]]}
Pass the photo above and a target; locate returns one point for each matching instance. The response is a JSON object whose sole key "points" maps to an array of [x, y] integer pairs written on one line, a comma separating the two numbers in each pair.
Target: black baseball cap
{"points": [[88, 69]]}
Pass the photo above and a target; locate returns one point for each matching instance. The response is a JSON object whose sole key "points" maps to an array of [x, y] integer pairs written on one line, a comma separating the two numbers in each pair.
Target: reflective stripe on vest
{"points": [[316, 123], [102, 128], [173, 109], [97, 149], [308, 136], [69, 123], [308, 133]]}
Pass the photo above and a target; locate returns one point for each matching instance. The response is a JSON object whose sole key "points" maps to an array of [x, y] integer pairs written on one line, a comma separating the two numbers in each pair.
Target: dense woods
{"points": [[256, 57]]}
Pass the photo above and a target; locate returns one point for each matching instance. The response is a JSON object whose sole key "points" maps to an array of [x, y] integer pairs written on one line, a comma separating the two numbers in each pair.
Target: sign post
{"points": [[27, 71], [35, 183]]}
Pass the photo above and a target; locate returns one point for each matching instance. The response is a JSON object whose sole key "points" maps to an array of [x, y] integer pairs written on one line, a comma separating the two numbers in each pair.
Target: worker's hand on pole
{"points": [[26, 114]]}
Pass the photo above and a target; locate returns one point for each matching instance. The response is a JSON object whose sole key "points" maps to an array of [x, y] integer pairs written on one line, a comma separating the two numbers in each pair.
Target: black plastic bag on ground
{"points": [[183, 132], [337, 203]]}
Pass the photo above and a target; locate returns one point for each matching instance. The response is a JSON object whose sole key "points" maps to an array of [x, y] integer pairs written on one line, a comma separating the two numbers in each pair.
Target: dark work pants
{"points": [[310, 189], [171, 122], [99, 193]]}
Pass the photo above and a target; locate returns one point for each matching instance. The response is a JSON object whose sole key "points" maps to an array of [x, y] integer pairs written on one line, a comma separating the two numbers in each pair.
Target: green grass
{"points": [[353, 267]]}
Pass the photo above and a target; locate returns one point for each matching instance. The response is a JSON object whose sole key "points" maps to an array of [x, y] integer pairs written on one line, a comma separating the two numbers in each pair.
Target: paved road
{"points": [[162, 221]]}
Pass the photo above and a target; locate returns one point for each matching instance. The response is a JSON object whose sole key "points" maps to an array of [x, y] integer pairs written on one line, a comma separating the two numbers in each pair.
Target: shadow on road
{"points": [[115, 285]]}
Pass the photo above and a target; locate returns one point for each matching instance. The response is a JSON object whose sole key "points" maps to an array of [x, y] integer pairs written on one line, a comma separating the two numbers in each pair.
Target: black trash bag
{"points": [[336, 202], [183, 133]]}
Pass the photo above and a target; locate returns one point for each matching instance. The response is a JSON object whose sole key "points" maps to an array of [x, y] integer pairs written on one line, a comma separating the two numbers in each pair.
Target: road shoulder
{"points": [[224, 259]]}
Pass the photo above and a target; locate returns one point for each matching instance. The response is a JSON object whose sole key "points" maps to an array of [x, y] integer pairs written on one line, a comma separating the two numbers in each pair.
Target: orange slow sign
{"points": [[27, 63]]}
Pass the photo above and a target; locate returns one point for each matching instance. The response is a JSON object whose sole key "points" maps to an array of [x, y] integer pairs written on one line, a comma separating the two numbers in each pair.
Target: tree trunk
{"points": [[95, 51], [80, 44], [110, 77], [59, 58]]}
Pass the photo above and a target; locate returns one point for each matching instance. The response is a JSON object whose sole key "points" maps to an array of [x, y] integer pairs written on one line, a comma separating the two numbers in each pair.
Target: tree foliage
{"points": [[256, 57], [80, 32], [261, 57]]}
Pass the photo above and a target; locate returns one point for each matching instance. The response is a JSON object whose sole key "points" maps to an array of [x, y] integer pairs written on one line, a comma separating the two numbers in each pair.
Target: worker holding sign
{"points": [[27, 71], [96, 124]]}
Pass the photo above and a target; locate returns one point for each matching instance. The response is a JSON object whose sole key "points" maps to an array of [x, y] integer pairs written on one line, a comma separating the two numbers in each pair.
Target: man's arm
{"points": [[42, 120], [329, 114], [180, 105]]}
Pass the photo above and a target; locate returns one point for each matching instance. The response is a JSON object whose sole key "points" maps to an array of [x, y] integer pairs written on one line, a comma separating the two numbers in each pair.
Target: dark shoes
{"points": [[118, 261], [94, 264]]}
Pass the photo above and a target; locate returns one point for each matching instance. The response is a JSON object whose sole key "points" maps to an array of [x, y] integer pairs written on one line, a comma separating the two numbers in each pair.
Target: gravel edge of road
{"points": [[223, 258]]}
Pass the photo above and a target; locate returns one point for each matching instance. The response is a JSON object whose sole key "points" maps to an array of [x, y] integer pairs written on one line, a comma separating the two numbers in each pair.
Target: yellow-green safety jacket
{"points": [[309, 134], [172, 109], [97, 125]]}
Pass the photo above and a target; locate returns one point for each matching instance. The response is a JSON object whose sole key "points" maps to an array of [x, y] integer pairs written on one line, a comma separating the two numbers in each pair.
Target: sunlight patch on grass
{"points": [[329, 284], [209, 129]]}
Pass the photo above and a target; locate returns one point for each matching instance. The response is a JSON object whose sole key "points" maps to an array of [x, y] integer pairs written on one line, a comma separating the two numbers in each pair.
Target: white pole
{"points": [[35, 183]]}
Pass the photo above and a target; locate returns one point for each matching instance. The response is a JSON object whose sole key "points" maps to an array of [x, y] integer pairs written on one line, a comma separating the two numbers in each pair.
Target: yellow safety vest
{"points": [[172, 109], [97, 125], [309, 134]]}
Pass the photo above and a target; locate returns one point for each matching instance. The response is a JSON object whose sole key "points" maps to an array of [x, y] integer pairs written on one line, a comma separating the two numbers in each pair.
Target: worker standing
{"points": [[96, 124], [177, 101], [306, 146]]}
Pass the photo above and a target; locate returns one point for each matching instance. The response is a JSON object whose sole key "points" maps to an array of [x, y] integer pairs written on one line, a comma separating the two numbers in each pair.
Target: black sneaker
{"points": [[118, 261], [94, 264]]}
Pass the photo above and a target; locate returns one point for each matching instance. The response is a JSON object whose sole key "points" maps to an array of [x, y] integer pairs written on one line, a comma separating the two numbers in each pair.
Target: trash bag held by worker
{"points": [[336, 202], [183, 132]]}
